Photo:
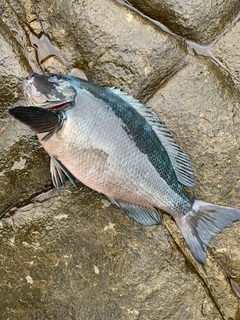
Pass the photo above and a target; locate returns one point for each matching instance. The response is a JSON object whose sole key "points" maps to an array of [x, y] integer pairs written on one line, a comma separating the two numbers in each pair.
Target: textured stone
{"points": [[72, 255], [200, 106], [13, 66], [113, 45], [68, 256], [24, 166], [227, 50], [20, 158], [200, 21]]}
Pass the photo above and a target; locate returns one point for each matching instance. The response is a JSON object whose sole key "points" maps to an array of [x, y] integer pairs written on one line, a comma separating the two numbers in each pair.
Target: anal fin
{"points": [[60, 173], [142, 215]]}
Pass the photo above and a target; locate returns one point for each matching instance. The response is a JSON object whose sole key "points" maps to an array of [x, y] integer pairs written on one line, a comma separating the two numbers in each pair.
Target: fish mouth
{"points": [[41, 91]]}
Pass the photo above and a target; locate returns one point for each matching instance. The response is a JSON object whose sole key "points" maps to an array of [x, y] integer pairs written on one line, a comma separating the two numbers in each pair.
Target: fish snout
{"points": [[49, 91], [32, 95]]}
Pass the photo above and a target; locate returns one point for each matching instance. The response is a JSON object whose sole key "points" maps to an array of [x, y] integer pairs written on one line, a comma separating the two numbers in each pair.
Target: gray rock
{"points": [[227, 50], [200, 21], [72, 255], [69, 256], [200, 106], [24, 167], [113, 45], [21, 160]]}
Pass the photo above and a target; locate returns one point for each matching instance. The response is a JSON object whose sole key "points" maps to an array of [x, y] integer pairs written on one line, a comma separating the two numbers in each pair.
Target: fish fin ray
{"points": [[58, 177], [180, 161], [38, 119], [202, 223], [60, 173], [142, 215], [235, 286]]}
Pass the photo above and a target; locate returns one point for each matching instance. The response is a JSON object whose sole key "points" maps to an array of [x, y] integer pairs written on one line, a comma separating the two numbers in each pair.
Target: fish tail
{"points": [[202, 223]]}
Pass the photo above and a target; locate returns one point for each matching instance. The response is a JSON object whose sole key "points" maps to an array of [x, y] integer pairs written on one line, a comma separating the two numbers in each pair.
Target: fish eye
{"points": [[53, 78]]}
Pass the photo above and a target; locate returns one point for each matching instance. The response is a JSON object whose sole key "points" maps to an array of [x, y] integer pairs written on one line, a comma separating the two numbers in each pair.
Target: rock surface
{"points": [[200, 21], [210, 136], [81, 259], [72, 255], [113, 45], [227, 50]]}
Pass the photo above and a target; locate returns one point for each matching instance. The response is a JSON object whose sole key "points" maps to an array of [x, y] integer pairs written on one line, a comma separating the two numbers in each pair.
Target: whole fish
{"points": [[116, 145]]}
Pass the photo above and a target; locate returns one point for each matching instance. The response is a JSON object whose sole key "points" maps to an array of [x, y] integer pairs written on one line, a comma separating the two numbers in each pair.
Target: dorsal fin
{"points": [[180, 161]]}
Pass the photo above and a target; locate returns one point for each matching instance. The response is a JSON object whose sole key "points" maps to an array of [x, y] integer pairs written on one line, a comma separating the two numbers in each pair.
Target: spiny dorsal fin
{"points": [[180, 161]]}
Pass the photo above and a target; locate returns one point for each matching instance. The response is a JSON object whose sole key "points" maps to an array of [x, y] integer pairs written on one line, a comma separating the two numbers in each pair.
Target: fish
{"points": [[114, 144]]}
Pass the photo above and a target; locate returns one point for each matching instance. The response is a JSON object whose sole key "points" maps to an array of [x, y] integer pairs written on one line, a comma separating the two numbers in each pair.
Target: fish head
{"points": [[48, 91]]}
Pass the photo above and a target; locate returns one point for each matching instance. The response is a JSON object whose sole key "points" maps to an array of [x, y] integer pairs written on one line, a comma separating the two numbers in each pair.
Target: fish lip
{"points": [[58, 106]]}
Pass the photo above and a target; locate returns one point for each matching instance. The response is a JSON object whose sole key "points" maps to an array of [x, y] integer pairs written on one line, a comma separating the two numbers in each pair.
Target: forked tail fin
{"points": [[202, 223]]}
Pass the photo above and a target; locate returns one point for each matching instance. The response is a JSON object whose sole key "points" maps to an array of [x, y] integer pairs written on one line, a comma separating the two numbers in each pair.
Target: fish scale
{"points": [[117, 146], [122, 180], [145, 138]]}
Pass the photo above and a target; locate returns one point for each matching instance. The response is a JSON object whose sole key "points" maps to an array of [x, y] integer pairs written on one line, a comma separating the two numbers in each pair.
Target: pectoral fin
{"points": [[142, 215], [38, 119], [60, 173]]}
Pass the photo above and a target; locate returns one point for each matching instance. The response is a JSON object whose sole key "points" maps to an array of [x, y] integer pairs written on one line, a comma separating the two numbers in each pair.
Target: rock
{"points": [[54, 65], [199, 105], [13, 23], [73, 255], [13, 67], [227, 50], [113, 45], [20, 157], [68, 256], [24, 167], [200, 21]]}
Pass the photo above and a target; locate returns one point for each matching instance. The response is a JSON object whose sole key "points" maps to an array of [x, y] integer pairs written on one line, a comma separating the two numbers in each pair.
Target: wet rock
{"points": [[19, 156], [113, 45], [78, 73], [200, 105], [13, 24], [54, 65], [200, 21], [13, 67], [68, 255], [24, 167], [227, 50], [202, 111], [72, 255]]}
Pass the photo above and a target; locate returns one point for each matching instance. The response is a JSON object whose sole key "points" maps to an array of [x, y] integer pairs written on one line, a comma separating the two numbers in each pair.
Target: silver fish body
{"points": [[117, 146], [99, 152]]}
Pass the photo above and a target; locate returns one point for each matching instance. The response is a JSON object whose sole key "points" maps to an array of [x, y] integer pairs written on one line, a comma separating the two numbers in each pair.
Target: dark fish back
{"points": [[141, 133]]}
